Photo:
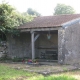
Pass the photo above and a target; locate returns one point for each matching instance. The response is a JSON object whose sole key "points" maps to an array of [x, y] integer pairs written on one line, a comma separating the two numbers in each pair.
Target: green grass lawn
{"points": [[7, 73], [59, 77]]}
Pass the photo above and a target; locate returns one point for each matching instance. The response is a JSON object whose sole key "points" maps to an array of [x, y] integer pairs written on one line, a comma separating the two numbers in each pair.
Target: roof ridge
{"points": [[58, 15]]}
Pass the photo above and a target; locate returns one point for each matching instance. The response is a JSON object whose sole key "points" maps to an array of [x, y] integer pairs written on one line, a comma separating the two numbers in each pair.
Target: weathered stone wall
{"points": [[69, 44], [3, 48], [19, 46], [60, 46]]}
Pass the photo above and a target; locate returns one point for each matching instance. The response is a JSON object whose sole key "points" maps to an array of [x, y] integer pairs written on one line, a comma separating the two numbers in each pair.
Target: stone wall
{"points": [[72, 44], [19, 46], [3, 48], [69, 44], [60, 46]]}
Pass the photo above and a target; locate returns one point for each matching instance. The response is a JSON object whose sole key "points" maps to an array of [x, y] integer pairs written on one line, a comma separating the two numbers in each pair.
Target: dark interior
{"points": [[47, 49], [2, 36]]}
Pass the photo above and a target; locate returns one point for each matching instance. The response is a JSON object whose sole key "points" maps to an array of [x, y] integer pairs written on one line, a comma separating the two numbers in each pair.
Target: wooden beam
{"points": [[36, 37], [40, 29], [33, 45]]}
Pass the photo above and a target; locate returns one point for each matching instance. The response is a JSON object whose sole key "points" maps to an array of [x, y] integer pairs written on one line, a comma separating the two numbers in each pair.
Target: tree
{"points": [[10, 18], [63, 9], [33, 12]]}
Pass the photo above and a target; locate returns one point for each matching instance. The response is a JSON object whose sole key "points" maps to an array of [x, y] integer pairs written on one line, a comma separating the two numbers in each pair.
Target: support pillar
{"points": [[33, 45]]}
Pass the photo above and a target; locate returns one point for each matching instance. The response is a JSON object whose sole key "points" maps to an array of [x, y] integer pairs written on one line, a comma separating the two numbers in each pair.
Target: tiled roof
{"points": [[49, 21]]}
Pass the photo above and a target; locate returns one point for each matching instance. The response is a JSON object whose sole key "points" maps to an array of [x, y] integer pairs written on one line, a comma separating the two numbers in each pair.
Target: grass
{"points": [[61, 77], [7, 73]]}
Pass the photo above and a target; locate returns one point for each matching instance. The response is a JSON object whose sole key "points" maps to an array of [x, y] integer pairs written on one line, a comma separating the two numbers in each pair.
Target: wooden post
{"points": [[33, 45], [36, 37]]}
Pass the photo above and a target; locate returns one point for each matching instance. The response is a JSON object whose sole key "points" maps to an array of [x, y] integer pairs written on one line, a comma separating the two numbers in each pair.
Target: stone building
{"points": [[51, 38]]}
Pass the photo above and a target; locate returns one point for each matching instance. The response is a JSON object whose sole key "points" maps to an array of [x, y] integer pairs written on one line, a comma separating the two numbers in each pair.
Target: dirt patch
{"points": [[42, 69]]}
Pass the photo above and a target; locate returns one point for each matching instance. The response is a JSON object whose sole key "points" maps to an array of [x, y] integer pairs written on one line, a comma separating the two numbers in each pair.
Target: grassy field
{"points": [[55, 77], [7, 73]]}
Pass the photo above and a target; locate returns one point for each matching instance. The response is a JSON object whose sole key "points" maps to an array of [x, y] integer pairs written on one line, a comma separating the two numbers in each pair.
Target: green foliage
{"points": [[17, 59], [33, 12], [10, 18], [63, 9]]}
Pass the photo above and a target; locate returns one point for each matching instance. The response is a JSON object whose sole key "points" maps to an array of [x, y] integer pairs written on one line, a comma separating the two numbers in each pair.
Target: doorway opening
{"points": [[46, 46]]}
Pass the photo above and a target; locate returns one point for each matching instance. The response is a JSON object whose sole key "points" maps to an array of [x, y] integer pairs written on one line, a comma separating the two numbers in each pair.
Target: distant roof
{"points": [[49, 21]]}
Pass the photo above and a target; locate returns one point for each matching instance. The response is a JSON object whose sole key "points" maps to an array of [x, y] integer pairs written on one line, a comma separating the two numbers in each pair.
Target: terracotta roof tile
{"points": [[49, 21]]}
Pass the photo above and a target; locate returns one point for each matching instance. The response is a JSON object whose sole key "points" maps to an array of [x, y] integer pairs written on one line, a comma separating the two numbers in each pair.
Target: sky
{"points": [[44, 7]]}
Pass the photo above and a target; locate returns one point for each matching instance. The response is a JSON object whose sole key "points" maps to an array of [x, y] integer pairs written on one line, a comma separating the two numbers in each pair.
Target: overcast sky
{"points": [[45, 7]]}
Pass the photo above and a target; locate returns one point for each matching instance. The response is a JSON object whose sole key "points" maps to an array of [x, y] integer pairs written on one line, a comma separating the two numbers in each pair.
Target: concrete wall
{"points": [[69, 44], [19, 46]]}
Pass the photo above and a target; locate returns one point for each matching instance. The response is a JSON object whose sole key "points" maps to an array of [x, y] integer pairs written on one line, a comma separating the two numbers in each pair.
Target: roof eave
{"points": [[64, 25], [40, 29]]}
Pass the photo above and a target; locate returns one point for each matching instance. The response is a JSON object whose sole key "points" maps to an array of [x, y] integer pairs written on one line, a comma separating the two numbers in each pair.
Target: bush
{"points": [[17, 59]]}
